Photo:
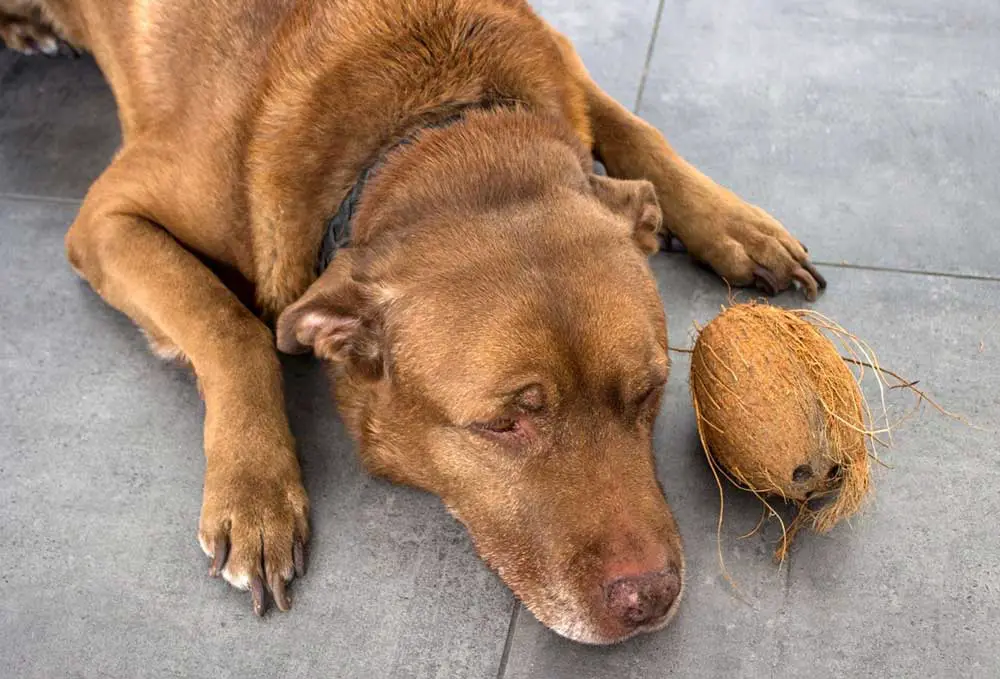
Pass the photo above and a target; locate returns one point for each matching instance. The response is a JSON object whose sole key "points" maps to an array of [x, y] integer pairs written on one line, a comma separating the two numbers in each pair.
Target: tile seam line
{"points": [[649, 57], [915, 272], [509, 642], [32, 198]]}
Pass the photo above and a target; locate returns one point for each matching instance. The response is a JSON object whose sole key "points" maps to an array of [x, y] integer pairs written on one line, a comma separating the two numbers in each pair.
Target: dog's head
{"points": [[512, 362]]}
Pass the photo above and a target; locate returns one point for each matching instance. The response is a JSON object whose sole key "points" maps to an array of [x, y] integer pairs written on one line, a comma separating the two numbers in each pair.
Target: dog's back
{"points": [[270, 109]]}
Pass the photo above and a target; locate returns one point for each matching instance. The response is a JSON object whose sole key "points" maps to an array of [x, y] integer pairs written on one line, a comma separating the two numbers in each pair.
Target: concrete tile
{"points": [[870, 129], [7, 58], [612, 36], [100, 475], [908, 589], [58, 126]]}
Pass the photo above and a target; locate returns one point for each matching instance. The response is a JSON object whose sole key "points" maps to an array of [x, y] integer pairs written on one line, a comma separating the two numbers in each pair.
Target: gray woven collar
{"points": [[339, 228]]}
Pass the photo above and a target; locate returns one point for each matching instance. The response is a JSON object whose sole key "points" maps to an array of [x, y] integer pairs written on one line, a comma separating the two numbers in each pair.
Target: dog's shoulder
{"points": [[355, 72]]}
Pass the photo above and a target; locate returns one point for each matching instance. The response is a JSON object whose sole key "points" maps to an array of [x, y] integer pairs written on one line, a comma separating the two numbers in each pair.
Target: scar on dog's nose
{"points": [[641, 599]]}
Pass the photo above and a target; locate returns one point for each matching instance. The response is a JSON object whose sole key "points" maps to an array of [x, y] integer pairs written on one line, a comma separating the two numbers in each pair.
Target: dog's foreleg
{"points": [[740, 241], [254, 514]]}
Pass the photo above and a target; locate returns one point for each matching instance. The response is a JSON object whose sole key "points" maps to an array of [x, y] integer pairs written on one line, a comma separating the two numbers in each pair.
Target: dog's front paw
{"points": [[254, 526], [747, 246], [33, 37]]}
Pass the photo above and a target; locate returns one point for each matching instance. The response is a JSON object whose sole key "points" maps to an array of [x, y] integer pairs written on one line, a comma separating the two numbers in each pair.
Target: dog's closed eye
{"points": [[647, 400], [504, 425], [511, 431], [516, 426]]}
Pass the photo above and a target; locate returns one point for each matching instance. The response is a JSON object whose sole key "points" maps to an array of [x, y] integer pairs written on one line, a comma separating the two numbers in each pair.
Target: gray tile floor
{"points": [[872, 131]]}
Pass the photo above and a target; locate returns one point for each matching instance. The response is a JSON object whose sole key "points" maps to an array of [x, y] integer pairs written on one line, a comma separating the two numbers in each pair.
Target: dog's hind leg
{"points": [[742, 242], [254, 513]]}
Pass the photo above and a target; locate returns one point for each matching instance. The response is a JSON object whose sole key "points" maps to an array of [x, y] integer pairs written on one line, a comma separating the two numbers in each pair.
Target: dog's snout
{"points": [[642, 599]]}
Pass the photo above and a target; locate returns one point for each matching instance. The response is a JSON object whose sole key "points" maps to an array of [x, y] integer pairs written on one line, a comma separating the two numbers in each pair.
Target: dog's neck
{"points": [[485, 159], [340, 227]]}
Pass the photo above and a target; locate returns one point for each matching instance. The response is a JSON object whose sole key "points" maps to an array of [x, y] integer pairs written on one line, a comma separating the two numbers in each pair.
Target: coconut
{"points": [[780, 413]]}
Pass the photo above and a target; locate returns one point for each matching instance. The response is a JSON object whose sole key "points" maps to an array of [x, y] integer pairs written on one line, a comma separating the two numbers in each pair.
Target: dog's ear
{"points": [[635, 201], [338, 319]]}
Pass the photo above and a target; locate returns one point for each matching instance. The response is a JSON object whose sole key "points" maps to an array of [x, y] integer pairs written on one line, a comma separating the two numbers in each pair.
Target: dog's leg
{"points": [[28, 27], [740, 241], [254, 513]]}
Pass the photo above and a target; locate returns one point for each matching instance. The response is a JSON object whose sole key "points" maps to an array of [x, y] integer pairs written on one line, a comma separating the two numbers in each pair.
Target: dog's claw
{"points": [[257, 594], [278, 592], [765, 281], [298, 556], [811, 269], [811, 279], [220, 551]]}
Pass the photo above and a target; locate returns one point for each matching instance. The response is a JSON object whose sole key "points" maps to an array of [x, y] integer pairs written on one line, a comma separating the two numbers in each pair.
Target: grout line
{"points": [[649, 57], [889, 269], [28, 197], [505, 657], [917, 272]]}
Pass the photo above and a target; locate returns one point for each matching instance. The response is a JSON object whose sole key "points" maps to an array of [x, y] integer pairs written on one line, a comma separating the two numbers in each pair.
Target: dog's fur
{"points": [[494, 332]]}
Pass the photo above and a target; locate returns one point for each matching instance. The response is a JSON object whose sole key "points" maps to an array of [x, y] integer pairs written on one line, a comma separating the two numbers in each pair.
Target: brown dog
{"points": [[492, 327]]}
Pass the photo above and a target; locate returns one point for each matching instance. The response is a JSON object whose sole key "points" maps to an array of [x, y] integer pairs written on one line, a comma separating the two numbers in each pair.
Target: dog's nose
{"points": [[641, 599]]}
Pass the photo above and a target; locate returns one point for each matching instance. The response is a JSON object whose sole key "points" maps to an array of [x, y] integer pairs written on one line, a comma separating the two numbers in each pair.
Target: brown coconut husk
{"points": [[779, 412]]}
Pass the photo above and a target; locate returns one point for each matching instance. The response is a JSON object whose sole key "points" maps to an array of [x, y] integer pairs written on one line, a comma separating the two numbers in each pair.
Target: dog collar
{"points": [[337, 233]]}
